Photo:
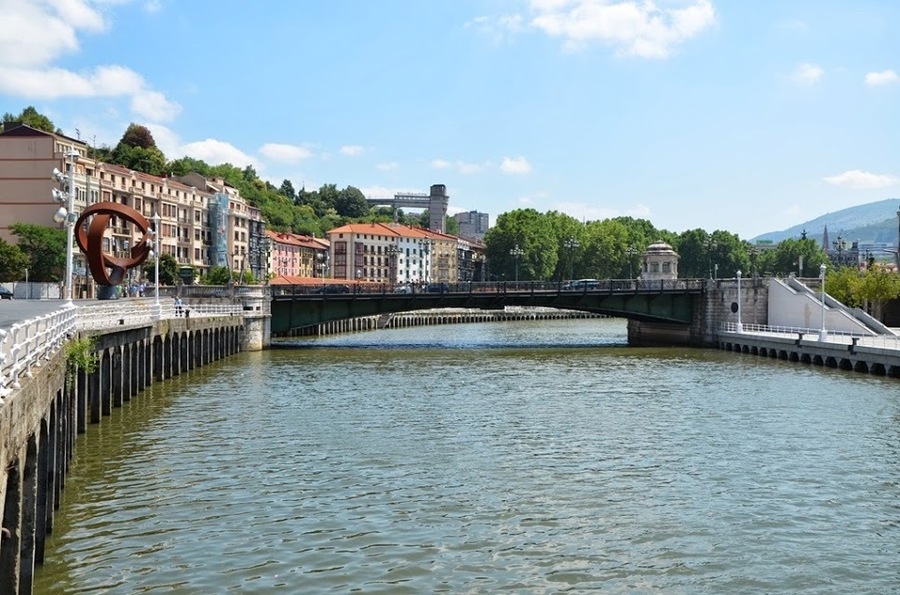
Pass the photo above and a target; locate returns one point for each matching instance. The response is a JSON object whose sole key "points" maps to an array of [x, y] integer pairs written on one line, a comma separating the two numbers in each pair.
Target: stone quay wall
{"points": [[55, 401]]}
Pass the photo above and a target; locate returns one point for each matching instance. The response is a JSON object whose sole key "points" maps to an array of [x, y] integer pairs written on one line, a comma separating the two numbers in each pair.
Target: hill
{"points": [[872, 223]]}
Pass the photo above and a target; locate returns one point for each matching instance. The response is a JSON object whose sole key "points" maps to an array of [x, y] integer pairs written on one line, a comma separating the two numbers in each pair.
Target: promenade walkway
{"points": [[867, 353], [31, 330]]}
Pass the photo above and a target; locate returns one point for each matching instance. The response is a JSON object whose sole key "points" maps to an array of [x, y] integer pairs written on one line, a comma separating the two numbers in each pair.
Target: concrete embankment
{"points": [[52, 400]]}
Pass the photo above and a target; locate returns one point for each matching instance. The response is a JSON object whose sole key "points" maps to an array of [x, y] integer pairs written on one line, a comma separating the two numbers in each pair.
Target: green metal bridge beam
{"points": [[306, 311]]}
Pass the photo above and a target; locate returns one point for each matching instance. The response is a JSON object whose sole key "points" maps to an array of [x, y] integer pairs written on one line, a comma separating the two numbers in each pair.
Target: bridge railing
{"points": [[833, 336], [602, 286], [27, 344]]}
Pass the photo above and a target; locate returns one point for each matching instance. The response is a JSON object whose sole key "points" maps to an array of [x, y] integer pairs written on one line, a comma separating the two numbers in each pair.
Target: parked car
{"points": [[582, 284], [5, 294], [403, 289], [437, 288], [335, 288]]}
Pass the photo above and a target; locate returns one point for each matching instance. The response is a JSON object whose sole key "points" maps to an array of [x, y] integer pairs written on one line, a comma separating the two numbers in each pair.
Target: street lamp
{"points": [[823, 334], [392, 263], [740, 327], [67, 214], [710, 246], [630, 252], [516, 253], [157, 307], [571, 245]]}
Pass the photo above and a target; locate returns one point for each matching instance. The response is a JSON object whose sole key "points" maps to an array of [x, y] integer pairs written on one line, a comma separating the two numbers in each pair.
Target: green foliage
{"points": [[148, 160], [218, 275], [532, 233], [13, 262], [878, 286], [168, 270], [80, 355], [350, 202], [843, 284], [785, 258], [31, 117], [45, 248], [138, 136]]}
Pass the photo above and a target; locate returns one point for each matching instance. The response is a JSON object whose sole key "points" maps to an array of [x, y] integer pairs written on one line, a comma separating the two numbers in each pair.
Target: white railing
{"points": [[831, 336], [27, 344]]}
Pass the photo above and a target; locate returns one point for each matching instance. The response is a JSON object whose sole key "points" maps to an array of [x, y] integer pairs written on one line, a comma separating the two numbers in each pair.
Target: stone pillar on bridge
{"points": [[659, 261], [257, 305]]}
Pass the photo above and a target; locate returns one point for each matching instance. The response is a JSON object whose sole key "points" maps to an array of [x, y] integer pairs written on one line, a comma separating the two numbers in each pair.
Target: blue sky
{"points": [[747, 116]]}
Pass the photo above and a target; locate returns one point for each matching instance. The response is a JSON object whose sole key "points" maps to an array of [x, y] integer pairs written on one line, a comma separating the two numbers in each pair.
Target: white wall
{"points": [[803, 309]]}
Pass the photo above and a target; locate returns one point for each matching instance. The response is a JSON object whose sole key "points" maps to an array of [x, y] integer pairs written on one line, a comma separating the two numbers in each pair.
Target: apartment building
{"points": [[296, 255], [190, 217]]}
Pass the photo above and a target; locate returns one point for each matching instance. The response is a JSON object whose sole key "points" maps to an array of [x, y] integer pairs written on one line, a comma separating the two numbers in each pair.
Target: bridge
{"points": [[668, 301]]}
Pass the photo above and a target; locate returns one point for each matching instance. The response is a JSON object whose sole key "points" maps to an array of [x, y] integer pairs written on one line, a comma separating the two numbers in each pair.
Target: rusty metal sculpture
{"points": [[106, 269]]}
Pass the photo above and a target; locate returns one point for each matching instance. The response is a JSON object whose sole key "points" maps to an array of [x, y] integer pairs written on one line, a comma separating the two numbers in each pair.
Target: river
{"points": [[523, 457]]}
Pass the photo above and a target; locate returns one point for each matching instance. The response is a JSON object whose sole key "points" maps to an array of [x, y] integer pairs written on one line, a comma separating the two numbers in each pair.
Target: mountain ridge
{"points": [[870, 223]]}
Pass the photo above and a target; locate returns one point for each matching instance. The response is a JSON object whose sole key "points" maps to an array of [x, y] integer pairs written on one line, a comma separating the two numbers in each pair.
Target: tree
{"points": [[45, 248], [843, 284], [168, 270], [218, 276], [532, 233], [138, 136], [13, 262], [878, 286], [287, 189], [31, 117], [351, 202]]}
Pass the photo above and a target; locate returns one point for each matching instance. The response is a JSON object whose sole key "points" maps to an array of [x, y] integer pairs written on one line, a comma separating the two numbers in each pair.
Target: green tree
{"points": [[219, 276], [13, 262], [350, 202], [31, 117], [878, 286], [138, 136], [45, 248], [532, 233], [168, 270], [843, 284]]}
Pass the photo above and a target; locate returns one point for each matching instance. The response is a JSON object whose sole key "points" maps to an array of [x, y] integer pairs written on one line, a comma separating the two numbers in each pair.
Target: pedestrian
{"points": [[179, 307]]}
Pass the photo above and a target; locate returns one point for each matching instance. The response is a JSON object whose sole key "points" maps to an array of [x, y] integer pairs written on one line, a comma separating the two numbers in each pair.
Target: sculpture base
{"points": [[107, 292]]}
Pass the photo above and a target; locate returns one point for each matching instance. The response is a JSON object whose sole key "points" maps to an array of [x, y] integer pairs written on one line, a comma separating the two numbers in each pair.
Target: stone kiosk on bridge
{"points": [[660, 261]]}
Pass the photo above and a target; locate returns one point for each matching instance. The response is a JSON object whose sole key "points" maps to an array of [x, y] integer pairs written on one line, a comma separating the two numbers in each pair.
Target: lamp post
{"points": [[392, 263], [571, 245], [157, 307], [740, 326], [823, 334], [66, 214], [516, 253], [839, 247], [630, 252], [710, 246], [426, 264]]}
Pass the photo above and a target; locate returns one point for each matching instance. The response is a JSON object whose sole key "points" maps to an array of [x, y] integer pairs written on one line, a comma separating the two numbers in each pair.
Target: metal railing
{"points": [[26, 345], [602, 286], [831, 336]]}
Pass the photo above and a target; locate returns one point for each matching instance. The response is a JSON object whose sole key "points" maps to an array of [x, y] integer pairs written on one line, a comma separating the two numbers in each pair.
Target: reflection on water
{"points": [[521, 457]]}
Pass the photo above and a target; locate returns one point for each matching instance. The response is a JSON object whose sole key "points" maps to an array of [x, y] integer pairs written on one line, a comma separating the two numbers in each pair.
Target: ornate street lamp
{"points": [[571, 244], [66, 214], [740, 327], [823, 334], [157, 307], [516, 253]]}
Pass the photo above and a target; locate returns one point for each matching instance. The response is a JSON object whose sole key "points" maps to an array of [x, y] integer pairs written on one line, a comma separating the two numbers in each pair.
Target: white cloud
{"points": [[393, 165], [590, 212], [501, 29], [862, 180], [351, 150], [633, 28], [808, 74], [515, 165], [214, 151], [462, 167], [885, 77], [284, 153], [36, 33], [154, 106]]}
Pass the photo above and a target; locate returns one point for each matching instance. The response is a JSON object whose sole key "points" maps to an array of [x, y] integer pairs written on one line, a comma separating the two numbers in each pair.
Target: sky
{"points": [[730, 115]]}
